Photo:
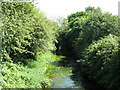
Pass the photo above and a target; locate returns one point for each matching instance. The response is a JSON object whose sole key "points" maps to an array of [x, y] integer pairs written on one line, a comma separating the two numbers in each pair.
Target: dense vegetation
{"points": [[29, 40], [26, 36], [92, 37], [25, 31], [34, 75]]}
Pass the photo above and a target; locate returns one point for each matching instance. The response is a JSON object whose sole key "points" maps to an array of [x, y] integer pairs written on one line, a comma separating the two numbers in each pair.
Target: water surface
{"points": [[63, 79]]}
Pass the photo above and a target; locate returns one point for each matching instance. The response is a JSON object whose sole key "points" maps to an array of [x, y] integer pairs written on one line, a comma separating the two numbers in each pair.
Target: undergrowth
{"points": [[33, 75]]}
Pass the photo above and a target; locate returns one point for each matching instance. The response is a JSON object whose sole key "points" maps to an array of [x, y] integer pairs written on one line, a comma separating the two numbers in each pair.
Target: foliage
{"points": [[25, 31], [86, 27], [96, 26], [34, 75], [71, 29], [75, 20], [93, 38], [99, 57], [63, 28], [26, 35]]}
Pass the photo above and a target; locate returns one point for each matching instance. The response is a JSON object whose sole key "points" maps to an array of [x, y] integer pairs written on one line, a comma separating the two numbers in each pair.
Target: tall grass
{"points": [[33, 75]]}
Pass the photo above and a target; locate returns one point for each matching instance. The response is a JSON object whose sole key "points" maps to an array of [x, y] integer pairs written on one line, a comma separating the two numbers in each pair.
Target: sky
{"points": [[63, 8]]}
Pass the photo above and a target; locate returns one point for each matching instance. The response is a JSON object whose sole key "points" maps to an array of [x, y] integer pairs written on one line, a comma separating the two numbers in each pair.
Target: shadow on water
{"points": [[73, 80], [62, 78]]}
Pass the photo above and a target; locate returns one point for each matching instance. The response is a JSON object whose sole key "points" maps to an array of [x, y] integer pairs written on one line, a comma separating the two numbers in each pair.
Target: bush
{"points": [[25, 31], [71, 32], [96, 26], [100, 61]]}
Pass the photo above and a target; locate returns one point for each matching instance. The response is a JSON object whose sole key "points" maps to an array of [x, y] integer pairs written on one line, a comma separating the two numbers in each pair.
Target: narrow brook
{"points": [[63, 79]]}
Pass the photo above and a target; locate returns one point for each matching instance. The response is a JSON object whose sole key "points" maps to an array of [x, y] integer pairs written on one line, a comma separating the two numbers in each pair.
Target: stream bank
{"points": [[67, 77]]}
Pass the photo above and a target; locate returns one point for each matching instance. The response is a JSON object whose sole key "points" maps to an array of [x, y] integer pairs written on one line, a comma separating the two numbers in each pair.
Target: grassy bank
{"points": [[35, 74]]}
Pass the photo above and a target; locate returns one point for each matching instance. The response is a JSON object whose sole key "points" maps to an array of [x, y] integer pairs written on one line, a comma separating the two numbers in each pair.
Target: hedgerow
{"points": [[25, 31]]}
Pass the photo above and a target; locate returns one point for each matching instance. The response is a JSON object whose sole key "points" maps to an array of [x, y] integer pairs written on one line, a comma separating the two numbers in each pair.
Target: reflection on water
{"points": [[63, 79]]}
